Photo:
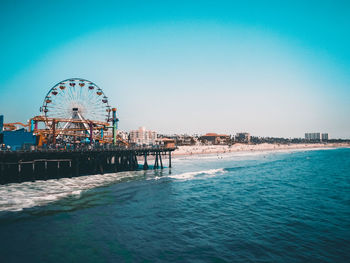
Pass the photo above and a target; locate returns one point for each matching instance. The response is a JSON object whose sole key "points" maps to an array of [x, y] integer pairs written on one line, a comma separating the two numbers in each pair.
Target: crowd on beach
{"points": [[212, 149]]}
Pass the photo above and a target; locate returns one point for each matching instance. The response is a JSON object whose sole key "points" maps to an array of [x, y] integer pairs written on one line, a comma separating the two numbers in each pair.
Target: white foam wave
{"points": [[198, 174], [18, 196]]}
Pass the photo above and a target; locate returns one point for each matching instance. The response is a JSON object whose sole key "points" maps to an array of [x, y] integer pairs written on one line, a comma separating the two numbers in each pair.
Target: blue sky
{"points": [[272, 68]]}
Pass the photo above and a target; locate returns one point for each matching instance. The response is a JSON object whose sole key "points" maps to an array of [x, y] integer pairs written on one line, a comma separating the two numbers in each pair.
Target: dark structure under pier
{"points": [[21, 166]]}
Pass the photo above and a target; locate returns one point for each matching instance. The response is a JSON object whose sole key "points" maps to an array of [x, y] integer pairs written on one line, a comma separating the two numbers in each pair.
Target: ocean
{"points": [[287, 206]]}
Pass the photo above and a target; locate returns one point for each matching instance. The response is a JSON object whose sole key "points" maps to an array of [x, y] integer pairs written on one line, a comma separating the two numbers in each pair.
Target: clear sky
{"points": [[272, 68]]}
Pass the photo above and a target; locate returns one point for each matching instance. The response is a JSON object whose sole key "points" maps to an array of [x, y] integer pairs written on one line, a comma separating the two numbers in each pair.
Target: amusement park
{"points": [[75, 134], [75, 113]]}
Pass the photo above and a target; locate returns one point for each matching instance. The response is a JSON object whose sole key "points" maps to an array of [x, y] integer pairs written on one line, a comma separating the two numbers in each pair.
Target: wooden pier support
{"points": [[156, 164], [160, 159], [145, 164], [20, 166], [169, 159]]}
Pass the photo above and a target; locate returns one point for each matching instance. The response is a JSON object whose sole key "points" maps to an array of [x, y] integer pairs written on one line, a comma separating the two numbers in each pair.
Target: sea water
{"points": [[291, 206]]}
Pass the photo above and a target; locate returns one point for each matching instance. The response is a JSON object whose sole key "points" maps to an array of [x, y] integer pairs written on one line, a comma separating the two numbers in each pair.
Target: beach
{"points": [[221, 149]]}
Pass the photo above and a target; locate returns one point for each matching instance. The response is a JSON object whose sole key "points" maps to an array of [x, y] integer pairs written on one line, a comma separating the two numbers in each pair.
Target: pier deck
{"points": [[21, 166]]}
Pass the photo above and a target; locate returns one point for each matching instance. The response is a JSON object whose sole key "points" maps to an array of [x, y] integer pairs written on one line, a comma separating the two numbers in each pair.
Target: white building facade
{"points": [[313, 136]]}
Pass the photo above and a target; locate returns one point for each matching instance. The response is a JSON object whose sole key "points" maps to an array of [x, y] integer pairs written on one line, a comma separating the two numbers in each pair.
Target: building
{"points": [[181, 139], [166, 142], [313, 136], [1, 123], [243, 137], [184, 140], [122, 135], [18, 139], [214, 138], [325, 136], [142, 136]]}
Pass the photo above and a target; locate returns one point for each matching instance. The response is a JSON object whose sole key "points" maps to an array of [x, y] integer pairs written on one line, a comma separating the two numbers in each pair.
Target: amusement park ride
{"points": [[75, 114], [74, 111]]}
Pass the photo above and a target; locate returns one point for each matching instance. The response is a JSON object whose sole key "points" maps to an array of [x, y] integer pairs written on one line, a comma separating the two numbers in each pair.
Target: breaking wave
{"points": [[198, 174], [18, 196]]}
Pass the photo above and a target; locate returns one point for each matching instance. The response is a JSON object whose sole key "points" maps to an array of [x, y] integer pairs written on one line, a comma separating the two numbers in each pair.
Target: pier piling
{"points": [[145, 165], [169, 159], [20, 166]]}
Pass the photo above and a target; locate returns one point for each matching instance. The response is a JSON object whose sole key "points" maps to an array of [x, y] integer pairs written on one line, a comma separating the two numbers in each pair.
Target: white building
{"points": [[143, 136], [325, 137], [313, 136]]}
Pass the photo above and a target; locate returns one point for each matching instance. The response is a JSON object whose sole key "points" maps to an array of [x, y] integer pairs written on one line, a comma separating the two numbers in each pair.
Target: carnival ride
{"points": [[14, 126], [74, 111]]}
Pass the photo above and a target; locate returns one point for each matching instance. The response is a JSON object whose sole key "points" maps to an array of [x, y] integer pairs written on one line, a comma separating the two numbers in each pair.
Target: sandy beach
{"points": [[215, 149]]}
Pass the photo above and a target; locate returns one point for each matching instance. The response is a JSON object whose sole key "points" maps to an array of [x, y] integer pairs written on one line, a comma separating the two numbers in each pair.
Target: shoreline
{"points": [[198, 150]]}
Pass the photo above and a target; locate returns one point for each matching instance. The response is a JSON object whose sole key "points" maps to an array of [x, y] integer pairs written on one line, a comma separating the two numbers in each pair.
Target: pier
{"points": [[75, 135], [22, 166]]}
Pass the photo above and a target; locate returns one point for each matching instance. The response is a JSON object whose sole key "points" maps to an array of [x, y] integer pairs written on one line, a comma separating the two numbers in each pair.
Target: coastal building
{"points": [[214, 138], [142, 136], [185, 140], [313, 136], [243, 137], [181, 139], [325, 137], [166, 142]]}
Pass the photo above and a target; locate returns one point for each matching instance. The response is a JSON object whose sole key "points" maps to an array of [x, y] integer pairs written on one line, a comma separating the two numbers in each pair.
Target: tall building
{"points": [[143, 136], [325, 137], [313, 136]]}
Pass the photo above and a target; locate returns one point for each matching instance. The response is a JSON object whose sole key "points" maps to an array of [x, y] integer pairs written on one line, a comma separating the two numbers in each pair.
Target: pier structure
{"points": [[76, 134], [21, 166]]}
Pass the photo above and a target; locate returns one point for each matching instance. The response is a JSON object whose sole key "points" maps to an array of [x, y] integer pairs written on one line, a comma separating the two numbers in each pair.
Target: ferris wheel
{"points": [[76, 98]]}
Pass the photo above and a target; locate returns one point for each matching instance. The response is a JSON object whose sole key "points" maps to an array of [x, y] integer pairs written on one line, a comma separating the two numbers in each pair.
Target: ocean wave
{"points": [[198, 174], [18, 196]]}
